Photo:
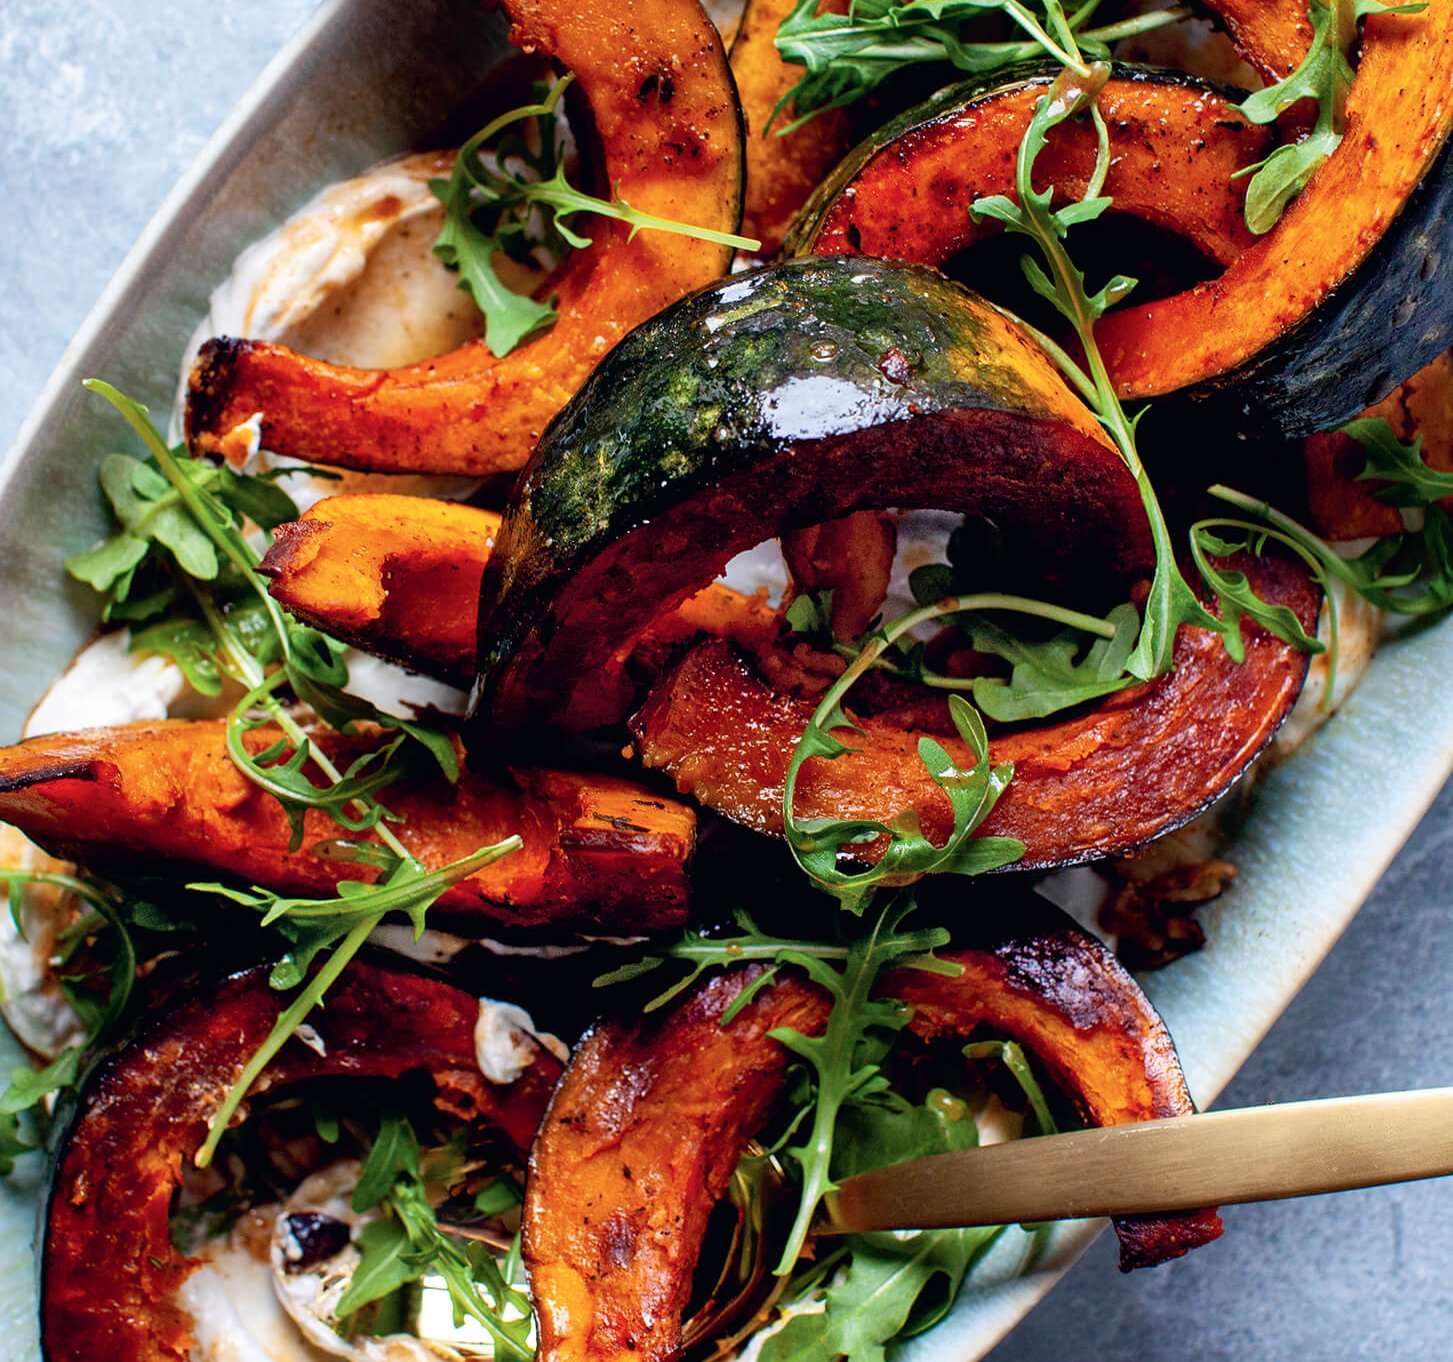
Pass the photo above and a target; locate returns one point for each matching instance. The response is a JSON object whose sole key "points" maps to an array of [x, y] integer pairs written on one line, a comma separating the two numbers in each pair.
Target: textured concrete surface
{"points": [[105, 102]]}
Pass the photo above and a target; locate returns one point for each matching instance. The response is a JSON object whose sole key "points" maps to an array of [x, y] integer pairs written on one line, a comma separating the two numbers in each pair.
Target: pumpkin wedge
{"points": [[1346, 296], [600, 854], [782, 170], [109, 1269], [1271, 35], [653, 1113], [666, 115], [1341, 504], [905, 193], [1099, 783], [777, 399], [399, 577]]}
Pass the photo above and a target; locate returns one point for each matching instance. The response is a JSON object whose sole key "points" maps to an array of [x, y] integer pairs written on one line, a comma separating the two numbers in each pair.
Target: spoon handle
{"points": [[1251, 1154]]}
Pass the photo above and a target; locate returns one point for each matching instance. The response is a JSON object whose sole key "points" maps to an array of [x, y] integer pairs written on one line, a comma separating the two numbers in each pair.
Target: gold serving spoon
{"points": [[1218, 1158]]}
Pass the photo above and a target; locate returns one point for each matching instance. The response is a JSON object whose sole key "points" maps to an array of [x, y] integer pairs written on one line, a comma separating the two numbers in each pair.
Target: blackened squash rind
{"points": [[779, 398]]}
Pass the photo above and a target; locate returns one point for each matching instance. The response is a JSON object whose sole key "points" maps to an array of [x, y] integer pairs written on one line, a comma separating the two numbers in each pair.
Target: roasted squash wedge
{"points": [[1271, 35], [666, 115], [109, 1268], [906, 192], [782, 170], [1097, 784], [653, 1113], [399, 577], [394, 575], [600, 854], [1344, 506], [777, 399], [1343, 298]]}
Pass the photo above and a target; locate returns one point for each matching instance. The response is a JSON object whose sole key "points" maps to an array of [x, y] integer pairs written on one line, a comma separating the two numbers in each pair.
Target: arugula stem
{"points": [[308, 998]]}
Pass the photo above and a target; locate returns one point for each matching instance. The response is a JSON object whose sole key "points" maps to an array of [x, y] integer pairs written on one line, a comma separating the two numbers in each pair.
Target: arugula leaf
{"points": [[1045, 676], [340, 925], [816, 843], [518, 203], [1325, 75], [1389, 460], [98, 988], [844, 1058], [408, 1244], [846, 57], [1238, 600]]}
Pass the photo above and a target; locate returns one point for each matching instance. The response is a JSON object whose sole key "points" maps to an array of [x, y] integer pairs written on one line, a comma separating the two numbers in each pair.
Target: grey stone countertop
{"points": [[107, 101]]}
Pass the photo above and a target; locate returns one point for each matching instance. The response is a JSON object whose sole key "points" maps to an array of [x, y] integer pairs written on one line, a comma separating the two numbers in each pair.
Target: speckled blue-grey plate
{"points": [[369, 78]]}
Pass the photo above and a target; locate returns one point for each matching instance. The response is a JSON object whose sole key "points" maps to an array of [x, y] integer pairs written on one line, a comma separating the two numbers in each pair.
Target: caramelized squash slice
{"points": [[1099, 783], [600, 854], [399, 577], [782, 170], [396, 576], [905, 193], [653, 1114], [666, 116], [109, 1268], [1341, 504]]}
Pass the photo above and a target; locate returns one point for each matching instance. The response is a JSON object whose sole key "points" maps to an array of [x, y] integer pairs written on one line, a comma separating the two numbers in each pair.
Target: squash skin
{"points": [[1099, 783], [610, 1248], [600, 854], [667, 117], [905, 193], [398, 576], [781, 398], [108, 1267]]}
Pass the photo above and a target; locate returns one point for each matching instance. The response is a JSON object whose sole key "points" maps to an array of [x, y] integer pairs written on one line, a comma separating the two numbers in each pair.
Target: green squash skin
{"points": [[777, 398], [1387, 319]]}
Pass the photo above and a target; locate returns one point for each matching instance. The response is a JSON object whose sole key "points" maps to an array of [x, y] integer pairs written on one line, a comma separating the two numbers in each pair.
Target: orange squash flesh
{"points": [[1343, 506], [1099, 783], [600, 854], [110, 1270], [1271, 35], [652, 1115], [1399, 115], [1175, 144], [396, 576], [782, 171], [399, 577], [666, 115]]}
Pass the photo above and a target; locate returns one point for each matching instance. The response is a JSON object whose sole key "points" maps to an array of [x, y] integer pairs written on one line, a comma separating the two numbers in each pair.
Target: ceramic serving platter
{"points": [[367, 79]]}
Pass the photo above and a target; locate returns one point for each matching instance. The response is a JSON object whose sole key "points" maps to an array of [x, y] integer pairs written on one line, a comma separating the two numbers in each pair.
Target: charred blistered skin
{"points": [[654, 1112], [667, 120], [1099, 783], [600, 854], [109, 1269]]}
